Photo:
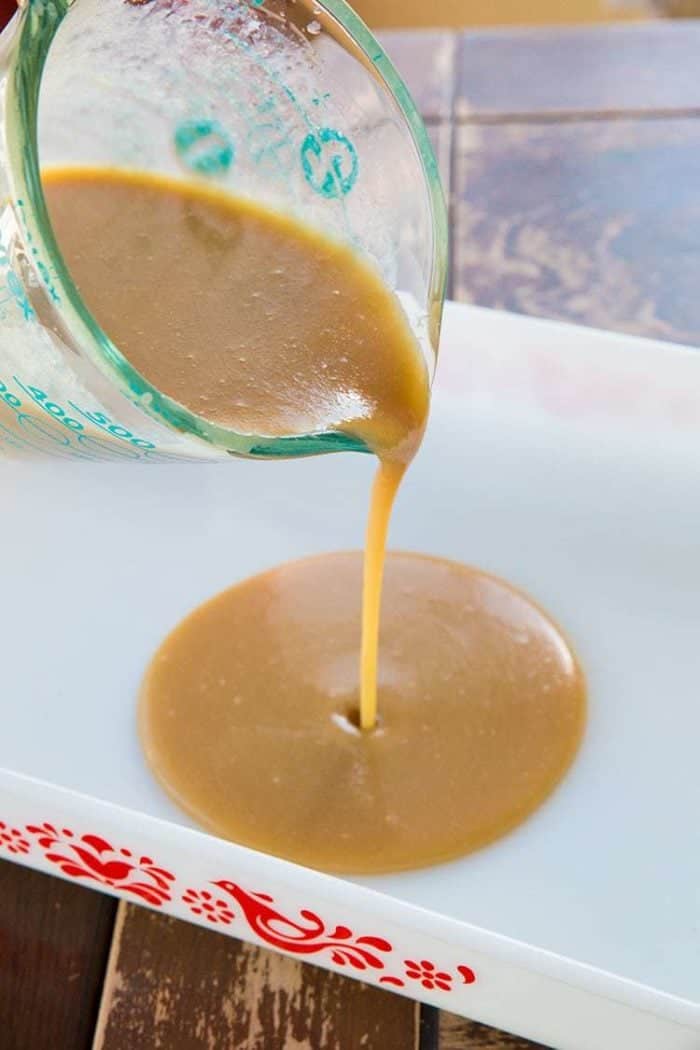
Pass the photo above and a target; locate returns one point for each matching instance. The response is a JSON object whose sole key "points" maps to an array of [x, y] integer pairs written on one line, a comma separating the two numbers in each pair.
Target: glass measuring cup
{"points": [[290, 102]]}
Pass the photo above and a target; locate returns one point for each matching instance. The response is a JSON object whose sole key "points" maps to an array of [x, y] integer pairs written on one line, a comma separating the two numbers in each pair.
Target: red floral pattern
{"points": [[308, 937], [429, 976], [12, 839], [92, 857], [213, 909]]}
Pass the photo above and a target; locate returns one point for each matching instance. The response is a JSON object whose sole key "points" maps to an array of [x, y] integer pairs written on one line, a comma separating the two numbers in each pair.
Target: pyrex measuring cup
{"points": [[290, 102]]}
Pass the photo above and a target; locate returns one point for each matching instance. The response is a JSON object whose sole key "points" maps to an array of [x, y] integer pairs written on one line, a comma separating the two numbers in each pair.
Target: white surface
{"points": [[567, 461]]}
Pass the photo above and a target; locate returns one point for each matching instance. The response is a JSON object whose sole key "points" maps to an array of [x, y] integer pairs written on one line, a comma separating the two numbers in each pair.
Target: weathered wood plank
{"points": [[180, 987], [54, 940], [505, 12], [456, 1033]]}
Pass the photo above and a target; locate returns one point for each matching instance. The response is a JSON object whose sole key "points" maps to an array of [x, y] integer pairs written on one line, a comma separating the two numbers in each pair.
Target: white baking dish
{"points": [[564, 459]]}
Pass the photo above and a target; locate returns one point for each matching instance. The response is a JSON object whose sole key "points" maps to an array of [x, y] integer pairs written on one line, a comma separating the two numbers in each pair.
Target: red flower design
{"points": [[202, 902], [92, 857], [12, 839], [425, 972], [307, 937]]}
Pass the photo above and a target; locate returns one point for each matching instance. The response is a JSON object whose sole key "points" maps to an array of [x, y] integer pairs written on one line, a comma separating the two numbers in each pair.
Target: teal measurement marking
{"points": [[16, 290], [329, 162], [204, 146]]}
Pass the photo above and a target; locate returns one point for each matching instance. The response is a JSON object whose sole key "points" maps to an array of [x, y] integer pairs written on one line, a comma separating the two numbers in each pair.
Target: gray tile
{"points": [[593, 222], [624, 68]]}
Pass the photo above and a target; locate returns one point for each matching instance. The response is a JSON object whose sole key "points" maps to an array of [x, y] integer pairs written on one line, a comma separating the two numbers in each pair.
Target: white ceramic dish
{"points": [[566, 460]]}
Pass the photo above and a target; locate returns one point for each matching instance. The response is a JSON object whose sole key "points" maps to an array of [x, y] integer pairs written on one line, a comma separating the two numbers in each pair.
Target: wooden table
{"points": [[572, 159]]}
